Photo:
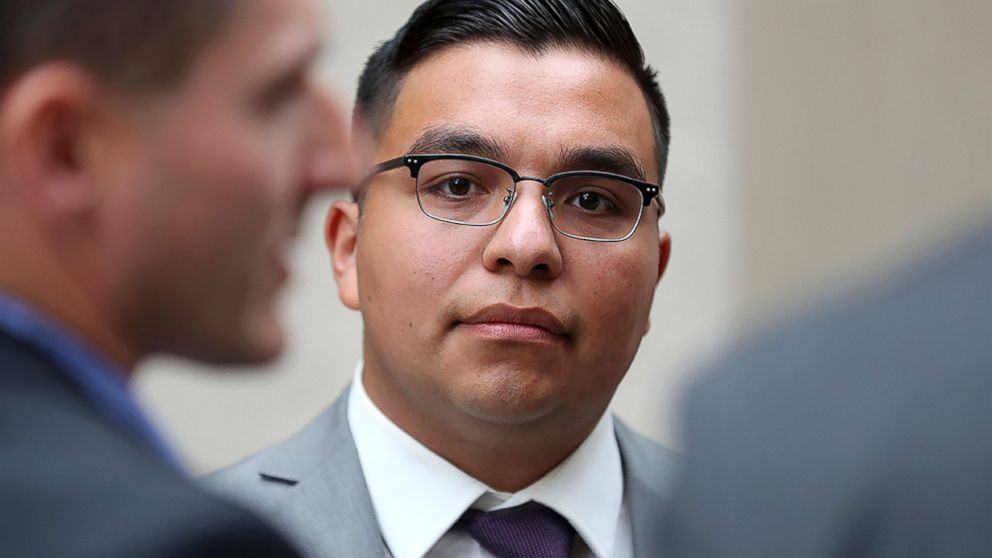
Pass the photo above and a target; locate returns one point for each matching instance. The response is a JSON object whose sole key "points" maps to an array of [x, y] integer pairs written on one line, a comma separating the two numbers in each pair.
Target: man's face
{"points": [[450, 310], [209, 180]]}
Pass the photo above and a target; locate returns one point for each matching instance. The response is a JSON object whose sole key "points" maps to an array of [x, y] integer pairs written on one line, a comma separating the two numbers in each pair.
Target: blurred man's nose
{"points": [[331, 164], [525, 242]]}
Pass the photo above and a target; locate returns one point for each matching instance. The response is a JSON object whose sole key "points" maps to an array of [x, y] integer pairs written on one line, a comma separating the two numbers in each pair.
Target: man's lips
{"points": [[509, 323]]}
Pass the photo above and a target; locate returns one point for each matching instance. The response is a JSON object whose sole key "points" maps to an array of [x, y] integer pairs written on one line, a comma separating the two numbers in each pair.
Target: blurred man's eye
{"points": [[282, 92]]}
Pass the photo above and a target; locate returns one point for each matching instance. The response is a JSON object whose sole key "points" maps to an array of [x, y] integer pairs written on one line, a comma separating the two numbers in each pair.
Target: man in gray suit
{"points": [[863, 431], [504, 253]]}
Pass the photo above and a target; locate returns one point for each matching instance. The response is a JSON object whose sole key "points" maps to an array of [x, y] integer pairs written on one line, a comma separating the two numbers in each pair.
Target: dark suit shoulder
{"points": [[934, 315], [73, 484], [852, 426]]}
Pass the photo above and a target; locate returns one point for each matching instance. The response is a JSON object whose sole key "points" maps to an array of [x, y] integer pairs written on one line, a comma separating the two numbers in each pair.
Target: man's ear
{"points": [[45, 119], [664, 253], [341, 237]]}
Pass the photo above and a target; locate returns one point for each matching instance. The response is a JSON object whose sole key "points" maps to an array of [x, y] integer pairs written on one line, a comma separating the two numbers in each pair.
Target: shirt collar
{"points": [[102, 382], [586, 489], [418, 495]]}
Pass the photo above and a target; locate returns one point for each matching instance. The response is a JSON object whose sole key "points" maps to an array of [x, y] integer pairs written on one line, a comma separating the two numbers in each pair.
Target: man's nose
{"points": [[331, 164], [525, 242]]}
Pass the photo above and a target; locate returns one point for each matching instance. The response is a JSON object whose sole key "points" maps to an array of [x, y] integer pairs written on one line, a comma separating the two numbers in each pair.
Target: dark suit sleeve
{"points": [[73, 484], [212, 530]]}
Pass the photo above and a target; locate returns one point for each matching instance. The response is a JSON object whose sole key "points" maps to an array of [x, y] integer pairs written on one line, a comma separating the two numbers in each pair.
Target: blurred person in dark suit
{"points": [[154, 160], [860, 431]]}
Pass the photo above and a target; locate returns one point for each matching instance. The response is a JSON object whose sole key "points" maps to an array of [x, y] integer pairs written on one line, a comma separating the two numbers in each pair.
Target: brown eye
{"points": [[454, 187], [459, 186], [589, 202], [593, 202]]}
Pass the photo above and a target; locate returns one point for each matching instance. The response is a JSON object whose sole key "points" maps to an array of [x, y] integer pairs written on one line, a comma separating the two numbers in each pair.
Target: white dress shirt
{"points": [[418, 495]]}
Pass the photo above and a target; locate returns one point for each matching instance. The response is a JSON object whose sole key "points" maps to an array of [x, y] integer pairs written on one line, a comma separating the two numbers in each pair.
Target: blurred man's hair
{"points": [[138, 45], [534, 26]]}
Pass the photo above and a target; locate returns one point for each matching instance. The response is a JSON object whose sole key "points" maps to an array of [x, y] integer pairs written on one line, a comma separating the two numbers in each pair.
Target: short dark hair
{"points": [[133, 44], [535, 26]]}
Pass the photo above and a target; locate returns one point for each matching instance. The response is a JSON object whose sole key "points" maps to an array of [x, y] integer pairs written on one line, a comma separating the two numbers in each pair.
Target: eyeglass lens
{"points": [[477, 193]]}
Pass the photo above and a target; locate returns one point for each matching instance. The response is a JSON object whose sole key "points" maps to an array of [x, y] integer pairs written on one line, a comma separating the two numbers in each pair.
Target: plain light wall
{"points": [[864, 138], [814, 144]]}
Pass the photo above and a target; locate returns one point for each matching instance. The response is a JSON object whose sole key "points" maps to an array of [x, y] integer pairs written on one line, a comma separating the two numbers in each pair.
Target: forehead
{"points": [[536, 105], [262, 35]]}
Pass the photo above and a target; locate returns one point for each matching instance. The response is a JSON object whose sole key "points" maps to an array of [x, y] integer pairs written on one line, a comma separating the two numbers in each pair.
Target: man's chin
{"points": [[246, 347], [262, 347], [511, 399]]}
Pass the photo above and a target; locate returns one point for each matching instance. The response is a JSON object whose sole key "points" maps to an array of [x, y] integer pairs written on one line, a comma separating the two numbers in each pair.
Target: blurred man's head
{"points": [[496, 308], [154, 160]]}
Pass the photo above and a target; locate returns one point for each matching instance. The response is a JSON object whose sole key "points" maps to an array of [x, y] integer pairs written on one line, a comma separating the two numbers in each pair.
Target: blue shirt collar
{"points": [[102, 382]]}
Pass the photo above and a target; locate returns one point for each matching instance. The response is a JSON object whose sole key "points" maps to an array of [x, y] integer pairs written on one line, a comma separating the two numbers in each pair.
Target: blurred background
{"points": [[817, 146]]}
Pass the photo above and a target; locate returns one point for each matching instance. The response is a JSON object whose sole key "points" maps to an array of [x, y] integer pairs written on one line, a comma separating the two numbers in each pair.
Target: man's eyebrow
{"points": [[610, 158], [459, 139], [293, 73]]}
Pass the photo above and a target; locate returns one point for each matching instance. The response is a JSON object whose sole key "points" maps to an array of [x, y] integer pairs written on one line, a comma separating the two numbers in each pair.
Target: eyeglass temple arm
{"points": [[389, 165], [386, 166]]}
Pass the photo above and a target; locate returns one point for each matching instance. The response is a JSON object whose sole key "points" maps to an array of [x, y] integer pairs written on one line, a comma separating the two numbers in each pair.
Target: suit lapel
{"points": [[328, 510], [648, 470], [320, 499]]}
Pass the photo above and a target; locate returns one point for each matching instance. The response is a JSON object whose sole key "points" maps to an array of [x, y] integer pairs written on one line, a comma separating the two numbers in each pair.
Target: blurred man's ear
{"points": [[46, 117], [341, 237]]}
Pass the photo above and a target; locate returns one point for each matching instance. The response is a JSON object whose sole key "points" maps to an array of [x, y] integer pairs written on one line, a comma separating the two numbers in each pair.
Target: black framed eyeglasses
{"points": [[475, 191]]}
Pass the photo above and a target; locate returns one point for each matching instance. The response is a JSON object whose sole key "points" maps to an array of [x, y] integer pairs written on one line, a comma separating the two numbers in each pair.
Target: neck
{"points": [[42, 280], [504, 456]]}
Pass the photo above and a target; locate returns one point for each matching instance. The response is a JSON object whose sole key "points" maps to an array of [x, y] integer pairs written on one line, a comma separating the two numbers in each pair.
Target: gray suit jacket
{"points": [[862, 430], [311, 487]]}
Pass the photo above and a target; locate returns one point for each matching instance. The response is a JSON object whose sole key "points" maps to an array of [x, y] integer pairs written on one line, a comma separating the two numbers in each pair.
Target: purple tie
{"points": [[530, 530]]}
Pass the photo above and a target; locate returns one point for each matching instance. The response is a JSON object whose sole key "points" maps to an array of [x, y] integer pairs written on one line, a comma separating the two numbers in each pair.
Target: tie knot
{"points": [[530, 530]]}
